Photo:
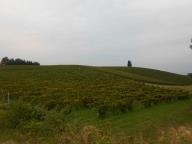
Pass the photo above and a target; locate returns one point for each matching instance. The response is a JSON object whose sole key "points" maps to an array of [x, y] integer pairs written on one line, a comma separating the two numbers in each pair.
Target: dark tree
{"points": [[18, 61], [129, 63], [11, 61], [191, 44], [5, 60], [190, 74]]}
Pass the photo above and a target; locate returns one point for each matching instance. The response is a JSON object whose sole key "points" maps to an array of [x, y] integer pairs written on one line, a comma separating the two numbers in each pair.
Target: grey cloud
{"points": [[151, 33]]}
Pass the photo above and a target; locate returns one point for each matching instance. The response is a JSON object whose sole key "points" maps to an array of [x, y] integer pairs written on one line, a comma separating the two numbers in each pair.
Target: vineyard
{"points": [[75, 87], [149, 75], [55, 104]]}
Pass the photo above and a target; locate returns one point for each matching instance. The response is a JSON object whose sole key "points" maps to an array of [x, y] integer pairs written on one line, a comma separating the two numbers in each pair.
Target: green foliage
{"points": [[102, 111], [18, 61], [32, 119], [69, 88], [53, 122], [42, 98], [19, 113]]}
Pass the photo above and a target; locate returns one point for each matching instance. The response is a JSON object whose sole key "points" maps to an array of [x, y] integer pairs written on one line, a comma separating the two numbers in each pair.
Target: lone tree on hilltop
{"points": [[129, 63]]}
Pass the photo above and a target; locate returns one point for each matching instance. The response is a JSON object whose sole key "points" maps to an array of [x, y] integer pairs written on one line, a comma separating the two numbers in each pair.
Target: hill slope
{"points": [[72, 87], [149, 75], [49, 101]]}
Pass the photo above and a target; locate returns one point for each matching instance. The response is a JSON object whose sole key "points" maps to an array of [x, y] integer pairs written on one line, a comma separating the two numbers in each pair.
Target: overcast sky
{"points": [[151, 33]]}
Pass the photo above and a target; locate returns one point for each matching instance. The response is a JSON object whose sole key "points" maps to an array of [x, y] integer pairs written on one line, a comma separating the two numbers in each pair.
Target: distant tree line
{"points": [[17, 61]]}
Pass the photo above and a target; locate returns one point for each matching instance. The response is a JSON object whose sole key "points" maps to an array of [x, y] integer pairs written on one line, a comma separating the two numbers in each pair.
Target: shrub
{"points": [[53, 122], [19, 113], [102, 111]]}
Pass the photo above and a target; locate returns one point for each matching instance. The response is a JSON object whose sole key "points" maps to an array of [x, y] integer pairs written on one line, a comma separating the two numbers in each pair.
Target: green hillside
{"points": [[149, 75], [48, 101], [78, 86]]}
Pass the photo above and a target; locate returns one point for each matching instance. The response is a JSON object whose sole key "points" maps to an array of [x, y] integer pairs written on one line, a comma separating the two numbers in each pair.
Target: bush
{"points": [[102, 111], [19, 113], [55, 120]]}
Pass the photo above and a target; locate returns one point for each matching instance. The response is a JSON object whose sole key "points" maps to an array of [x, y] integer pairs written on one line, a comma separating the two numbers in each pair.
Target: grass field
{"points": [[42, 101]]}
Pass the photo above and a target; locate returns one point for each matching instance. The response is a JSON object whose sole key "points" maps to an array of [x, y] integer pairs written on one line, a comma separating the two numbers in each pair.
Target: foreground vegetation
{"points": [[76, 104], [165, 123]]}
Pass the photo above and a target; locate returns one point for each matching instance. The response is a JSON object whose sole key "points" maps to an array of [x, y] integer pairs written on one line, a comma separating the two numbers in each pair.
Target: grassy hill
{"points": [[80, 86], [149, 75], [45, 100]]}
